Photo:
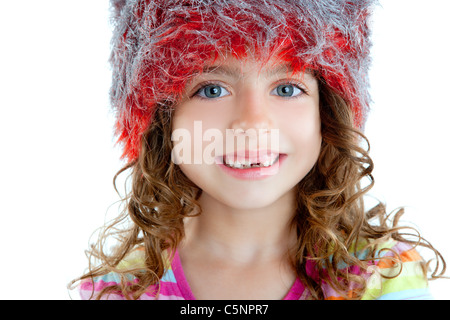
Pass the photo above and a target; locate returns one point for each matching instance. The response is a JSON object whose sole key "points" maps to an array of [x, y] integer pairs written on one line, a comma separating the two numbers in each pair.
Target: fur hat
{"points": [[157, 45]]}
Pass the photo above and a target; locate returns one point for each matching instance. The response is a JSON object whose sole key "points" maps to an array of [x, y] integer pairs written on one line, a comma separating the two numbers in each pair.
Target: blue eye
{"points": [[287, 90], [212, 92]]}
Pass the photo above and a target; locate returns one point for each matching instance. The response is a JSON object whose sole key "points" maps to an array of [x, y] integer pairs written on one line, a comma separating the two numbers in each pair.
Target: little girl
{"points": [[279, 214]]}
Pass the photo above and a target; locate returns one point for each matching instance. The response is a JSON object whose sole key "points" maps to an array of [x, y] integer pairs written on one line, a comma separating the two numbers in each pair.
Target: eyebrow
{"points": [[236, 72], [222, 70]]}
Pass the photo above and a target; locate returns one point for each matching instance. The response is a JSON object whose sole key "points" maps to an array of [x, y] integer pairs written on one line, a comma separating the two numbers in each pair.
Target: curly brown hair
{"points": [[330, 215]]}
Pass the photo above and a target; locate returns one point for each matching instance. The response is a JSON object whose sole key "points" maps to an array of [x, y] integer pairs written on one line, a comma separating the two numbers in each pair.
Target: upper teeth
{"points": [[247, 164]]}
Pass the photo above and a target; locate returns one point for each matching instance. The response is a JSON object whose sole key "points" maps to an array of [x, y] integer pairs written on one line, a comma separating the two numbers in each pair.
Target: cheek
{"points": [[197, 137], [303, 134], [210, 114], [198, 120], [308, 133], [303, 125]]}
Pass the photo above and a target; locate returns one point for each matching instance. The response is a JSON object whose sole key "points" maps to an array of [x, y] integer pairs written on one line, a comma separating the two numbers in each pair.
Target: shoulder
{"points": [[91, 288], [397, 273]]}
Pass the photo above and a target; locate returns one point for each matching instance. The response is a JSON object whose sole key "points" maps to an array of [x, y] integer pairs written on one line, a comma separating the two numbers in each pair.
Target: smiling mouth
{"points": [[249, 163]]}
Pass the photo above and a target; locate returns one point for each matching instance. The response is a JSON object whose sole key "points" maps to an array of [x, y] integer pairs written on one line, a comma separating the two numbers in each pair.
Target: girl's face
{"points": [[246, 133]]}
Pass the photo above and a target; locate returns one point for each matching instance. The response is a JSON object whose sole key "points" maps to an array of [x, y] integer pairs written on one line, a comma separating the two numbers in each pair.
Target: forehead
{"points": [[238, 68]]}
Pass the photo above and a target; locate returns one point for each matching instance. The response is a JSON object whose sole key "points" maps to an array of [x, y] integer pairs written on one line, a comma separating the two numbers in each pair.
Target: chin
{"points": [[251, 200]]}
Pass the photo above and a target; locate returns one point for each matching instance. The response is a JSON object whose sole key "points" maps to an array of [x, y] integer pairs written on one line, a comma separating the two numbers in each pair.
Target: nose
{"points": [[252, 112]]}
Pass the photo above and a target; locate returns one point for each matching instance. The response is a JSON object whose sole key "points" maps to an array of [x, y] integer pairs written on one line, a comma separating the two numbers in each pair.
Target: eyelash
{"points": [[212, 83], [207, 84], [295, 84]]}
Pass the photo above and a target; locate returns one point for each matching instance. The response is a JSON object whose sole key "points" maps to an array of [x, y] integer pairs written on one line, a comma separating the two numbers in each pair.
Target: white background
{"points": [[57, 151]]}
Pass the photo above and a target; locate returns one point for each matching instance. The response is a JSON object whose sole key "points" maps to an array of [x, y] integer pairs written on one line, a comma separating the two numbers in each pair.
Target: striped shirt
{"points": [[409, 280]]}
